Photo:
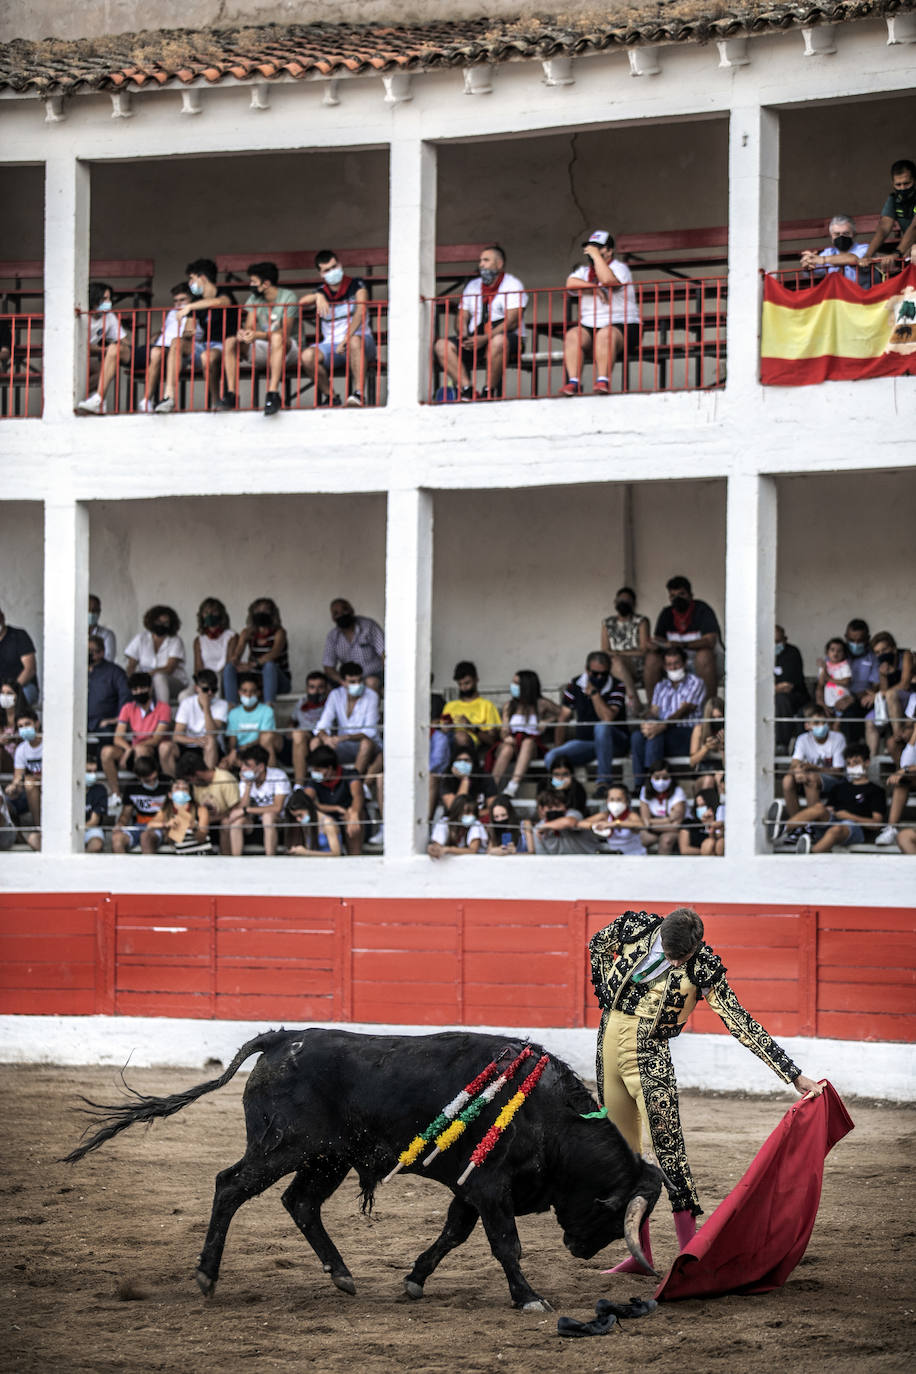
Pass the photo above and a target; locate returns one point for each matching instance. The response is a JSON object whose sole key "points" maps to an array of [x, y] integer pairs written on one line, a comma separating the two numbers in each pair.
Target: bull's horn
{"points": [[636, 1210]]}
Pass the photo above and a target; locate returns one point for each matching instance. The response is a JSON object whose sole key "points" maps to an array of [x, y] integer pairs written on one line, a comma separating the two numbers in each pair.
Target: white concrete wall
{"points": [[22, 568]]}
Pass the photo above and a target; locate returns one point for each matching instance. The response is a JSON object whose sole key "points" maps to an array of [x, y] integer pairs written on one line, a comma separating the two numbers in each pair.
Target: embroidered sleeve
{"points": [[606, 944], [749, 1032]]}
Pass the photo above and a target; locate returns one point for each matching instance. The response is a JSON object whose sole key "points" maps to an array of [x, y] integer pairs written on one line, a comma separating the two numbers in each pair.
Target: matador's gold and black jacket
{"points": [[617, 951]]}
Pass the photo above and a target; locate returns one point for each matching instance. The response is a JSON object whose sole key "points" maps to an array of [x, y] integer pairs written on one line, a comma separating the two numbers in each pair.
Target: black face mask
{"points": [[262, 619], [161, 627], [211, 621], [553, 815], [315, 699], [598, 680], [887, 657], [469, 694], [843, 242], [141, 698], [906, 197], [345, 620], [623, 607], [681, 603]]}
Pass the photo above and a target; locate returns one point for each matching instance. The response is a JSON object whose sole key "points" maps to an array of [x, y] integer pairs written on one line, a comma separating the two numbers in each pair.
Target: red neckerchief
{"points": [[488, 292], [682, 619], [336, 293], [212, 633]]}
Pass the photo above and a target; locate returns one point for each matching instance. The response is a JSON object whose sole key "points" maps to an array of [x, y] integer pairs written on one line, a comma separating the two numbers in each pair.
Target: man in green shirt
{"points": [[268, 337]]}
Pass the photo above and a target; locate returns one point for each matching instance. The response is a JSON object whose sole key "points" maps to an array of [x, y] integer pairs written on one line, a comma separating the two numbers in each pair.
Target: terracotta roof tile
{"points": [[59, 66]]}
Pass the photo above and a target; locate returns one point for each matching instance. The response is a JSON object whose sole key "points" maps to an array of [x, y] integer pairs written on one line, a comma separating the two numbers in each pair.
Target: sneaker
{"points": [[602, 388], [570, 389], [92, 405], [377, 836], [511, 788], [165, 406], [887, 836], [355, 398], [467, 393], [146, 406], [803, 844], [774, 822], [114, 803], [272, 403], [226, 401]]}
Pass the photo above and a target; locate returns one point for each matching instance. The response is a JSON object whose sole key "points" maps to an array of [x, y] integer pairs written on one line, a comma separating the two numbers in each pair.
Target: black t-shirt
{"points": [[702, 621], [14, 644], [482, 788], [789, 668], [96, 801], [861, 798], [146, 801], [336, 791]]}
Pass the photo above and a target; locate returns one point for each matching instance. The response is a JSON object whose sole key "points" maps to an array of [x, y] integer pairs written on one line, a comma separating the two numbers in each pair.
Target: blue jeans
{"points": [[608, 737], [273, 680], [648, 752], [30, 692]]}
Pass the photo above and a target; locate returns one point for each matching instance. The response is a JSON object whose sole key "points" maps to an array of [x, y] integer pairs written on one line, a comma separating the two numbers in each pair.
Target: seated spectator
{"points": [[338, 794], [687, 624], [790, 690], [667, 728], [180, 823], [817, 764], [440, 756], [901, 782], [625, 636], [834, 676], [96, 806], [895, 669], [24, 792], [109, 638], [619, 826], [215, 642], [109, 347], [507, 833], [262, 796], [703, 826], [176, 329], [310, 833], [476, 720], [849, 695], [143, 800], [212, 314], [488, 330], [608, 326], [557, 828], [898, 213], [159, 649], [466, 778], [199, 721], [854, 815], [458, 833], [521, 735], [262, 645], [141, 728], [306, 715], [107, 691], [251, 722], [12, 702], [347, 344], [597, 702], [349, 720], [707, 744], [842, 254], [267, 338], [354, 639], [563, 780], [17, 660], [663, 807], [216, 789]]}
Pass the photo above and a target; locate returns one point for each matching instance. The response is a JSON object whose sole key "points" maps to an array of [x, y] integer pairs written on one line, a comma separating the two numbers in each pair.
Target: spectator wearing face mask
{"points": [[251, 722], [309, 833], [707, 744], [898, 214], [817, 764], [267, 338], [263, 646], [703, 825], [209, 319], [465, 778], [625, 636], [347, 346], [349, 720], [459, 833], [107, 636], [95, 806], [790, 689], [507, 833], [887, 715], [595, 701], [263, 791], [675, 709], [215, 642], [521, 735], [850, 695], [12, 702], [174, 329], [159, 650], [199, 721], [24, 792], [141, 727], [476, 719], [689, 624], [214, 788], [842, 254], [305, 717], [180, 823], [854, 815], [354, 639], [563, 781], [619, 826], [144, 799], [107, 691], [557, 830], [902, 782], [17, 660], [109, 347], [338, 795], [663, 807], [488, 329]]}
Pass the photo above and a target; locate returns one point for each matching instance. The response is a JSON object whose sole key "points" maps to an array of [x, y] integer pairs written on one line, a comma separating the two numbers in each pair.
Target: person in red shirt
{"points": [[142, 725]]}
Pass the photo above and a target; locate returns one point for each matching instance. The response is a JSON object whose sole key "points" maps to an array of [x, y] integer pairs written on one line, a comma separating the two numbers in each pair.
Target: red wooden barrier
{"points": [[843, 972]]}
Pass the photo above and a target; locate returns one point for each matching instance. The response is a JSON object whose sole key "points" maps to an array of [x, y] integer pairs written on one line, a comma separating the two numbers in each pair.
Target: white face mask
{"points": [[854, 771], [467, 820], [661, 784], [333, 276], [7, 700], [248, 775], [104, 305], [616, 808], [676, 674]]}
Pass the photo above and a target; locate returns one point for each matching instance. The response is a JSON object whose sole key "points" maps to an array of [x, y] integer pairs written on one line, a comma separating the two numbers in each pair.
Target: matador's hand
{"points": [[803, 1085]]}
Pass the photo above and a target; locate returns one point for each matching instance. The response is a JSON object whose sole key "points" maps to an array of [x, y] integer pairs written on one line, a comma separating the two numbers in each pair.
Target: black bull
{"points": [[321, 1102]]}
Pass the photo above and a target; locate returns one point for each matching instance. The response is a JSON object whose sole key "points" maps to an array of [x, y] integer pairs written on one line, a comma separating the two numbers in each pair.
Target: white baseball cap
{"points": [[600, 236]]}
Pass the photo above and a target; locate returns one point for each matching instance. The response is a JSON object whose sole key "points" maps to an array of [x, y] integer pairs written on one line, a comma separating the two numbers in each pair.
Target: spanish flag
{"points": [[837, 330]]}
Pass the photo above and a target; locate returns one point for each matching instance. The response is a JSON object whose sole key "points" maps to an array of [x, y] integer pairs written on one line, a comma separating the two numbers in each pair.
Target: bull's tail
{"points": [[114, 1117]]}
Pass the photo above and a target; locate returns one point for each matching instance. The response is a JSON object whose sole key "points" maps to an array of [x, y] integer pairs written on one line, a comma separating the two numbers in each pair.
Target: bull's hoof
{"points": [[206, 1285], [536, 1305], [412, 1289], [344, 1283]]}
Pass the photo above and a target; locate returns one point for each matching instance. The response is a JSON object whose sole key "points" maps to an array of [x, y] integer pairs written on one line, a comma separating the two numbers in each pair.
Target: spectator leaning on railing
{"points": [[842, 254], [898, 212]]}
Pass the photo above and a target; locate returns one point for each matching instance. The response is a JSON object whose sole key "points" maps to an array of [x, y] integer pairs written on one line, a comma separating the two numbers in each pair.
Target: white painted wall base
{"points": [[712, 1062]]}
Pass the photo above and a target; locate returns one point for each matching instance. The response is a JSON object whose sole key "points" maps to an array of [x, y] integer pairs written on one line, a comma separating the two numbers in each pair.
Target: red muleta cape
{"points": [[757, 1235]]}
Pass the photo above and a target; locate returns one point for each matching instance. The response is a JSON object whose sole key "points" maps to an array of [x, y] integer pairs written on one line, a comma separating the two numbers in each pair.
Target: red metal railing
{"points": [[21, 353], [674, 340], [136, 359], [800, 278]]}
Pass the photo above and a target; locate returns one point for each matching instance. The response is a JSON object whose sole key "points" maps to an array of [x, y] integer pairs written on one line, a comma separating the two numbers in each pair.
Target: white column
{"points": [[64, 675], [753, 233], [750, 614], [66, 280], [411, 266], [408, 602]]}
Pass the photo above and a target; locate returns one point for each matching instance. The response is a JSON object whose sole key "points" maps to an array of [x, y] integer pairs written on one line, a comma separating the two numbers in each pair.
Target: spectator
{"points": [[159, 650], [597, 702], [140, 730], [349, 721], [24, 792], [262, 796], [834, 676], [354, 639], [898, 212], [843, 254], [107, 692], [714, 822], [895, 669], [901, 782], [96, 806], [268, 337], [666, 730], [440, 754], [856, 696], [212, 313], [690, 625], [109, 347], [143, 800], [175, 329], [17, 660], [460, 833], [465, 778], [855, 812], [214, 788], [199, 721], [476, 720], [489, 328], [562, 780], [791, 690], [619, 826], [309, 832], [306, 715], [12, 702], [251, 722], [608, 326], [338, 794], [625, 636], [215, 642], [521, 736], [707, 744], [698, 829], [817, 764], [557, 830], [663, 808], [262, 645], [507, 833], [347, 344], [108, 636], [180, 823]]}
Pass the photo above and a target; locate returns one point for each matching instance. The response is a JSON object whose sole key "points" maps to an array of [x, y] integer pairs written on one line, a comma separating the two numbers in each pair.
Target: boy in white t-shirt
{"points": [[817, 764], [262, 797], [608, 325], [173, 328], [199, 721]]}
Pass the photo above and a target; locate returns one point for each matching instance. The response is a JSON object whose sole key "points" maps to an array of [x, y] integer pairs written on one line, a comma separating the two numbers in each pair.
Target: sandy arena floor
{"points": [[97, 1259]]}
